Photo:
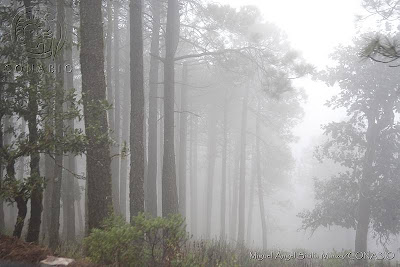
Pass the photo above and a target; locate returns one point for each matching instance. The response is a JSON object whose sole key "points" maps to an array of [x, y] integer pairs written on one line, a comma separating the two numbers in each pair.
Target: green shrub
{"points": [[145, 242]]}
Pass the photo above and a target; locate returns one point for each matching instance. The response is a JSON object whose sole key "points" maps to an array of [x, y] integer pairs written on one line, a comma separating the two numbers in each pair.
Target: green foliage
{"points": [[28, 90], [12, 188], [145, 242], [163, 242], [117, 243]]}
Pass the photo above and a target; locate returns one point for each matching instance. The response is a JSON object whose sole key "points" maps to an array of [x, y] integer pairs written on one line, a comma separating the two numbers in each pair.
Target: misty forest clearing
{"points": [[199, 133]]}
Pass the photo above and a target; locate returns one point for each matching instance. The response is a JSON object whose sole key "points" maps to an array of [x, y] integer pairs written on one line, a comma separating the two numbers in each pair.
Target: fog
{"points": [[264, 125]]}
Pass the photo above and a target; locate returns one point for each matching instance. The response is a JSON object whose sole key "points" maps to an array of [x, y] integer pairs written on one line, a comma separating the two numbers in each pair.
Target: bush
{"points": [[145, 242]]}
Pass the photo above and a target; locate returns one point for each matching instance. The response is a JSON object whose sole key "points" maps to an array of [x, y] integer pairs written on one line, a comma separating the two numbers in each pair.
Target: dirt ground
{"points": [[17, 253], [15, 250]]}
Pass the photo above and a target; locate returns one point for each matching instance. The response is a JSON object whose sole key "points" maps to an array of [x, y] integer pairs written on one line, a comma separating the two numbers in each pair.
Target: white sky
{"points": [[314, 27]]}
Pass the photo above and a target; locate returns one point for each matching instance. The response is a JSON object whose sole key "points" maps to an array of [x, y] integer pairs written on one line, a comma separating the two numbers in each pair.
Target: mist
{"points": [[200, 133]]}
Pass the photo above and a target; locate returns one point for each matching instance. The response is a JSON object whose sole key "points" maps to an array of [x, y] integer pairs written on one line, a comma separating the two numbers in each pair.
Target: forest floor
{"points": [[17, 253], [16, 250]]}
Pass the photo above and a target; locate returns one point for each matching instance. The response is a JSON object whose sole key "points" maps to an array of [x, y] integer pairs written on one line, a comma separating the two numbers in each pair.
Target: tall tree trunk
{"points": [[136, 184], [36, 196], [160, 148], [20, 200], [49, 161], [49, 173], [251, 197], [117, 104], [223, 172], [58, 168], [81, 224], [183, 142], [364, 205], [98, 161], [63, 215], [69, 205], [242, 182], [235, 188], [169, 190], [212, 143], [261, 204], [259, 183], [363, 217], [111, 112], [161, 123], [2, 221], [125, 159], [153, 102], [193, 176]]}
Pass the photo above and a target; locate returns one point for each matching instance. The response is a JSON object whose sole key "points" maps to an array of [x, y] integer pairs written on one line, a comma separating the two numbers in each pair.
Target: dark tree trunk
{"points": [[49, 180], [193, 177], [136, 183], [151, 203], [212, 143], [363, 217], [183, 143], [36, 196], [2, 221], [49, 161], [7, 140], [20, 200], [223, 172], [99, 202], [242, 184], [58, 168], [69, 205], [169, 190]]}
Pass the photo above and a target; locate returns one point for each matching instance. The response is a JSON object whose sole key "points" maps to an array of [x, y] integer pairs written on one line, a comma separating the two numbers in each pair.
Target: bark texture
{"points": [[169, 190], [136, 185], [37, 192], [151, 203], [54, 238], [69, 204], [99, 196], [2, 221]]}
